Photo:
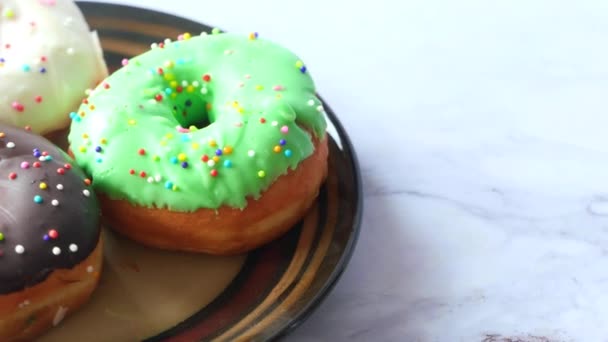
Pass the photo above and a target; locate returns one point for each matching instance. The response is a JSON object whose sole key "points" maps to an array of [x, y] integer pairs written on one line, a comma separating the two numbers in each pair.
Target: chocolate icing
{"points": [[28, 176]]}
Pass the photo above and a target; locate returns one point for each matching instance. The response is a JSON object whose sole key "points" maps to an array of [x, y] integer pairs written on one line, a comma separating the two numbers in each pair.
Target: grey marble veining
{"points": [[480, 127]]}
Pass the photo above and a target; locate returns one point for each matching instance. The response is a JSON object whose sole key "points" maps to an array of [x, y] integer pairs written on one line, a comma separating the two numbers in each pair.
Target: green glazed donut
{"points": [[200, 122]]}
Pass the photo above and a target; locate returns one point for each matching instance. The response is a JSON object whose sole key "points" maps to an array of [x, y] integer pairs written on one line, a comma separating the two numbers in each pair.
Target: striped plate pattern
{"points": [[283, 282]]}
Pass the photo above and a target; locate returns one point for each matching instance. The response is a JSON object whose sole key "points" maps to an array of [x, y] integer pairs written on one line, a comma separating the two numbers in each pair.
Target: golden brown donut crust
{"points": [[226, 230], [26, 314]]}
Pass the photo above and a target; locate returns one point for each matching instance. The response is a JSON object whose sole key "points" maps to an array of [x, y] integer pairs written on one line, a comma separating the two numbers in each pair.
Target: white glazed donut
{"points": [[48, 58]]}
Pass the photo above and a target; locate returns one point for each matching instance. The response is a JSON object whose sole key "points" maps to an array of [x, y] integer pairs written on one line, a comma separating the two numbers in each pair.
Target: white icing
{"points": [[59, 315], [74, 62]]}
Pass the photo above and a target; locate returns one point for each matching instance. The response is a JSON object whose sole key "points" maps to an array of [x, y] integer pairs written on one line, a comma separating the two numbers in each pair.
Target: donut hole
{"points": [[191, 109]]}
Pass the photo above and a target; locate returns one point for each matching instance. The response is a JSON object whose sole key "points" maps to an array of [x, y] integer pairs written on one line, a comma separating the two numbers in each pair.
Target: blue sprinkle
{"points": [[185, 165], [77, 119], [168, 91], [25, 68], [282, 142], [73, 115], [45, 237], [42, 70], [227, 163], [185, 138], [218, 152], [48, 158], [99, 160], [168, 185], [287, 153], [98, 149], [303, 69], [174, 160], [38, 199], [2, 60]]}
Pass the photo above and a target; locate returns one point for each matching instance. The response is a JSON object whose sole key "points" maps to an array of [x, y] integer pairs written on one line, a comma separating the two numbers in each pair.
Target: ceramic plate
{"points": [[152, 295]]}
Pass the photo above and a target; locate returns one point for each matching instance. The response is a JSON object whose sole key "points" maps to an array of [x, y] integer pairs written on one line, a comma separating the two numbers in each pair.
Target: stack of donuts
{"points": [[210, 144]]}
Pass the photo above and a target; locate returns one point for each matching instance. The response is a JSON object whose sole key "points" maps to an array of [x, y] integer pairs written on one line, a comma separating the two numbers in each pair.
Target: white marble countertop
{"points": [[481, 128]]}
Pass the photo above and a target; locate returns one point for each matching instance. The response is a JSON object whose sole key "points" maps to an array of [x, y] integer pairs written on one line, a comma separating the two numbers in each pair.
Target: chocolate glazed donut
{"points": [[50, 246]]}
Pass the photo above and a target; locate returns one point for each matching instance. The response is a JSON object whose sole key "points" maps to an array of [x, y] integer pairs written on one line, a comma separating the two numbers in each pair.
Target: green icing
{"points": [[244, 94]]}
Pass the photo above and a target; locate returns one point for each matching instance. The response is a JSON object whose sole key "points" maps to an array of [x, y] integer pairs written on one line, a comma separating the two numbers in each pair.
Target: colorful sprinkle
{"points": [[38, 199]]}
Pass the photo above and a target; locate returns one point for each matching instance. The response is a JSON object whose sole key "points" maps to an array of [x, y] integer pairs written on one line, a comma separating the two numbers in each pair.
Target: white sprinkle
{"points": [[19, 249], [42, 158], [211, 162], [167, 40], [10, 144], [150, 179], [251, 153], [59, 315], [319, 108], [73, 248], [86, 192], [59, 187], [153, 45], [56, 250], [55, 202], [204, 33], [195, 84], [184, 83], [311, 102], [68, 21], [90, 269], [167, 64], [204, 90], [70, 51], [158, 178], [274, 123]]}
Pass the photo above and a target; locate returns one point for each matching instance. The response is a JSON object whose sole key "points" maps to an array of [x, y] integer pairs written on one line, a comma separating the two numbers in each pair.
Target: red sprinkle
{"points": [[67, 166], [205, 158], [38, 99], [61, 171], [142, 174], [158, 97], [106, 86], [213, 173], [132, 171], [179, 89], [36, 164], [206, 78], [160, 71], [87, 181], [53, 234], [262, 120], [141, 151], [12, 175]]}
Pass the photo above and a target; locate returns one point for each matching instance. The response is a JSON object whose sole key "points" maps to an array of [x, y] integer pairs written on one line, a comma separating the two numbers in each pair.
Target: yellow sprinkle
{"points": [[173, 84], [235, 104], [132, 122], [156, 157], [216, 159], [227, 150], [277, 149], [182, 157], [85, 136], [212, 143], [259, 87], [103, 141], [261, 174], [169, 64], [92, 107], [193, 128], [82, 114], [299, 64], [252, 36], [8, 13], [187, 36], [82, 149], [169, 135], [190, 88], [175, 188], [195, 146], [43, 186], [241, 110], [169, 77]]}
